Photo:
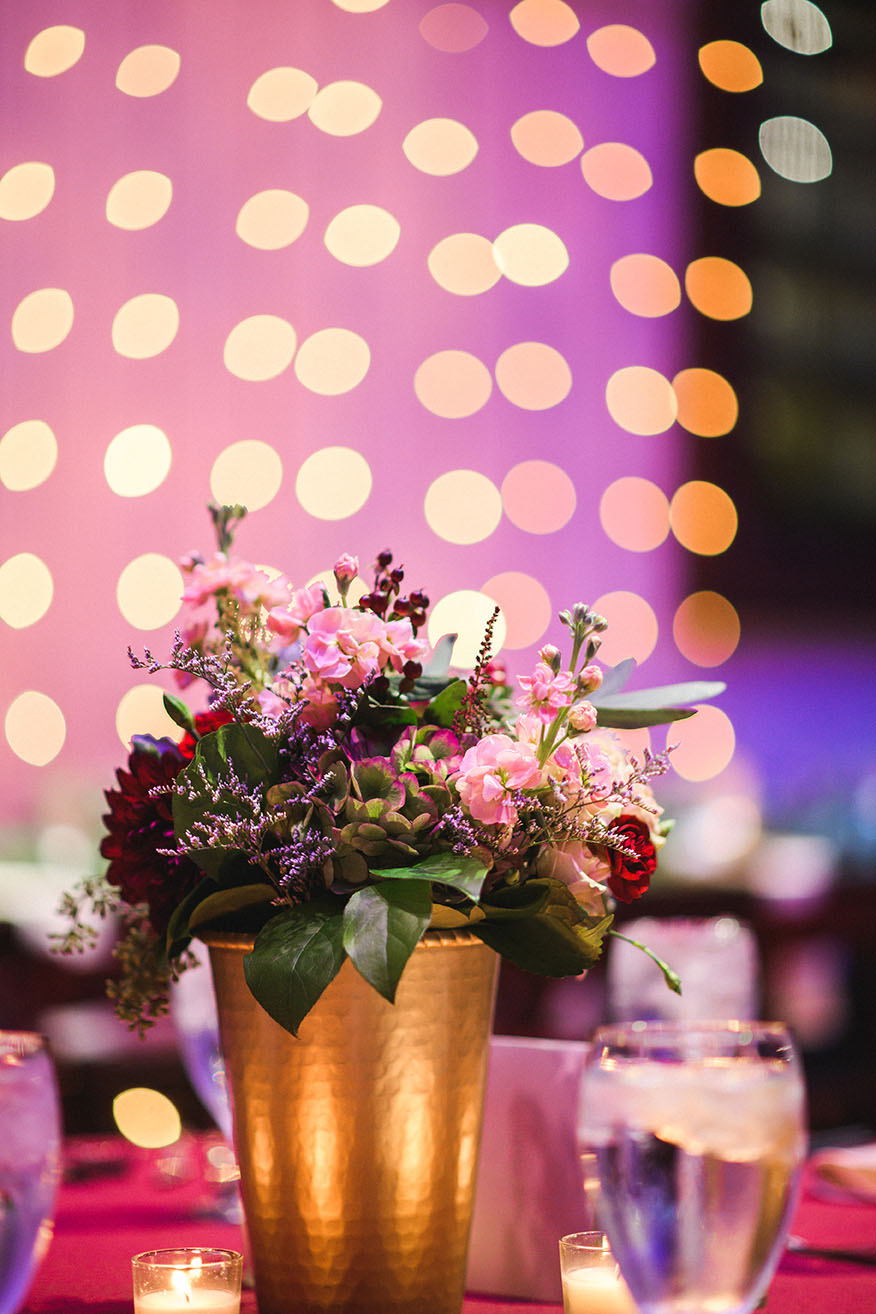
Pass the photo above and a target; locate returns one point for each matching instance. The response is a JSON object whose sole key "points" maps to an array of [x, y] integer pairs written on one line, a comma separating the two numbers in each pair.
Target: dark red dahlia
{"points": [[631, 872], [138, 825]]}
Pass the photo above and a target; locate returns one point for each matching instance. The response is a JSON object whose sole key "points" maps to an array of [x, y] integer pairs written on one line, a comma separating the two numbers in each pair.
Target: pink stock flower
{"points": [[251, 588], [582, 716], [491, 771], [346, 568], [399, 644], [545, 693], [580, 869], [343, 646], [289, 621]]}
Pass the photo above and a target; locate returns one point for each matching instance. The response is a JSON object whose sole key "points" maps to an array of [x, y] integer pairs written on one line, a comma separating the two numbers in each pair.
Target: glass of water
{"points": [[698, 1135], [30, 1156]]}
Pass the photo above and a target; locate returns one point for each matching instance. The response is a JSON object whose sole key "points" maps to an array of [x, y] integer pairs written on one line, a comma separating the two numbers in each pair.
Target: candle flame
{"points": [[180, 1278]]}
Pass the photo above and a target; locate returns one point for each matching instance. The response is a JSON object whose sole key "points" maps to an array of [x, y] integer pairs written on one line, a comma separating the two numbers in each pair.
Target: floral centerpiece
{"points": [[342, 790]]}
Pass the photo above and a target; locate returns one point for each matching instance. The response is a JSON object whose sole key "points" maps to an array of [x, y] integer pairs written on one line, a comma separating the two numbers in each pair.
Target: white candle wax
{"points": [[199, 1301], [596, 1291]]}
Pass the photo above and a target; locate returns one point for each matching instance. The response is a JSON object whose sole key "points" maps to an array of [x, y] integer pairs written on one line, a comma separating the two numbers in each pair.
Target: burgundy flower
{"points": [[205, 724], [139, 825], [631, 875]]}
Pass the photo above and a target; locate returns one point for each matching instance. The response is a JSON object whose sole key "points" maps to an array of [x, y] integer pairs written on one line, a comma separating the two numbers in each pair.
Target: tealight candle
{"points": [[592, 1283], [187, 1281]]}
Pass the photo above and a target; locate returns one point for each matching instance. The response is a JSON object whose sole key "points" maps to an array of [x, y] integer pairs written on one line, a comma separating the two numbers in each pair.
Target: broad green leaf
{"points": [[557, 940], [295, 956], [517, 901], [460, 872], [444, 706], [179, 713], [662, 696], [382, 925], [178, 935], [223, 902]]}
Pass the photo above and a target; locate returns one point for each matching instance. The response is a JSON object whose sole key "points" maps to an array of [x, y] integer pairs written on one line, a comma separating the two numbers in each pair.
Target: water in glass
{"points": [[698, 1133], [30, 1148]]}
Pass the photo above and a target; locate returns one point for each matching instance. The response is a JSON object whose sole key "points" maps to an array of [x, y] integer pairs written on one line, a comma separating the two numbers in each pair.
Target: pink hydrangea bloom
{"points": [[491, 772], [545, 693]]}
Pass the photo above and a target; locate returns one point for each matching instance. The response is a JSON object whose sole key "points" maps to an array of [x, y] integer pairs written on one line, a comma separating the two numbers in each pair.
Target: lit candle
{"points": [[193, 1281], [596, 1290], [198, 1301]]}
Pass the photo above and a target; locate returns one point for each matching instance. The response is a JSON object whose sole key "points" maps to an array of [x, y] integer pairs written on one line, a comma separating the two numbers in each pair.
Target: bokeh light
{"points": [[249, 472], [533, 376], [28, 455], [344, 109], [260, 347], [718, 288], [707, 404], [333, 483], [463, 506], [704, 744], [544, 22], [526, 606], [35, 728], [547, 138], [149, 590], [464, 263], [332, 361], [282, 94], [141, 712], [703, 518], [26, 590], [465, 613], [641, 400], [148, 71], [360, 6], [453, 384], [645, 285], [42, 320], [797, 25], [795, 149], [137, 461], [26, 189], [621, 50], [147, 1118], [362, 235], [139, 199], [531, 254], [145, 326], [706, 628], [632, 627], [730, 66], [453, 28], [440, 147], [54, 50], [727, 177], [272, 219], [634, 513], [616, 171], [538, 497]]}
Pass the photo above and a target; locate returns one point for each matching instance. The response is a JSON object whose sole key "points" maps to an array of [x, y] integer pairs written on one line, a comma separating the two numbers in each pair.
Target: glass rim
{"points": [[160, 1258], [680, 1028], [582, 1241], [21, 1042]]}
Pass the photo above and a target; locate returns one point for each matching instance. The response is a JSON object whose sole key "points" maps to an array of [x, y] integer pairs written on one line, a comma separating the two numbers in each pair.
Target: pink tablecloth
{"points": [[127, 1206]]}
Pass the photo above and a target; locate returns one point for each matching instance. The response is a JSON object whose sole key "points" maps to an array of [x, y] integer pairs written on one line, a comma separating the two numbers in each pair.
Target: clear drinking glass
{"points": [[30, 1156], [698, 1136]]}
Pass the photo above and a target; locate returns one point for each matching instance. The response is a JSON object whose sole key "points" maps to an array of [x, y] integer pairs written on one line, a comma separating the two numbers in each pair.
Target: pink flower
{"points": [[580, 869], [399, 644], [252, 588], [546, 693], [346, 568], [342, 646], [490, 774], [582, 716], [289, 621]]}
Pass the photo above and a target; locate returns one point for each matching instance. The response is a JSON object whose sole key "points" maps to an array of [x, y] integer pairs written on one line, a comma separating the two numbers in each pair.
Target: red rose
{"points": [[631, 871]]}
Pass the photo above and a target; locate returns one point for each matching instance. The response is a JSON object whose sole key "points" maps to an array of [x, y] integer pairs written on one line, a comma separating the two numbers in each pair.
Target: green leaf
{"points": [[614, 678], [662, 696], [459, 872], [222, 902], [634, 718], [559, 939], [517, 901], [179, 713], [178, 935], [295, 956], [382, 925], [444, 706]]}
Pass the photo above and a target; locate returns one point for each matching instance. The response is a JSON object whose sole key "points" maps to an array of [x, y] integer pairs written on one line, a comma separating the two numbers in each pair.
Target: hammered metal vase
{"points": [[358, 1140]]}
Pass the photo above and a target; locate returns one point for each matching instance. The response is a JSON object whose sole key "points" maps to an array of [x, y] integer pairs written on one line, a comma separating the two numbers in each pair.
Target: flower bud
{"points": [[551, 656], [582, 716], [589, 679]]}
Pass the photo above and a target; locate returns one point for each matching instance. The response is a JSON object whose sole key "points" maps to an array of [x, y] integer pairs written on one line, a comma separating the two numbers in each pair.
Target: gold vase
{"points": [[358, 1140]]}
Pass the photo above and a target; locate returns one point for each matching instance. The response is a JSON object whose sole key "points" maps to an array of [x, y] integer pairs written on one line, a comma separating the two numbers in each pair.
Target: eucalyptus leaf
{"points": [[665, 696], [460, 872], [634, 718], [382, 926], [295, 956], [614, 678]]}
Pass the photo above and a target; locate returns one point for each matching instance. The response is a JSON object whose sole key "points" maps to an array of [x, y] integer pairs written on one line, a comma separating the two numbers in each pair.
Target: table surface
{"points": [[124, 1200]]}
